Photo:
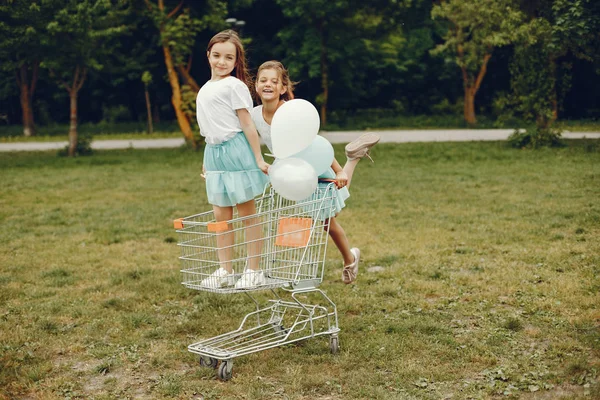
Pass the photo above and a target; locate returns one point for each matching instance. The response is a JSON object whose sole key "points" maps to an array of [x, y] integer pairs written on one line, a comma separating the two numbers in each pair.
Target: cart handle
{"points": [[328, 180]]}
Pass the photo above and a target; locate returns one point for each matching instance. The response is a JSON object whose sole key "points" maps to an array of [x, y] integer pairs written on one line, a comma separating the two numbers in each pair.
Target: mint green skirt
{"points": [[339, 196], [232, 175]]}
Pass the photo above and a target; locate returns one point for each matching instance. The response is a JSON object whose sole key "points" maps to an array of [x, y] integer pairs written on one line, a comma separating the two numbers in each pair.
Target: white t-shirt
{"points": [[264, 129], [216, 106]]}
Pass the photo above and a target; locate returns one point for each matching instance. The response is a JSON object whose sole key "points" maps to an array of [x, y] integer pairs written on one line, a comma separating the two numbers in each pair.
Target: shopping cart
{"points": [[291, 248]]}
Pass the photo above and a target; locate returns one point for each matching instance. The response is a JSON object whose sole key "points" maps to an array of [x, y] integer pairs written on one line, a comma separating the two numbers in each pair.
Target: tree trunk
{"points": [[325, 87], [155, 114], [471, 86], [189, 80], [73, 90], [27, 111], [554, 99], [149, 111], [73, 122], [176, 100], [27, 88], [182, 119], [324, 76], [542, 122], [470, 106]]}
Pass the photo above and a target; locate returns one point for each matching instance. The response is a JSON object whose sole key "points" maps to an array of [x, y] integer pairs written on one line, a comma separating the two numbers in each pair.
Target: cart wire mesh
{"points": [[289, 240]]}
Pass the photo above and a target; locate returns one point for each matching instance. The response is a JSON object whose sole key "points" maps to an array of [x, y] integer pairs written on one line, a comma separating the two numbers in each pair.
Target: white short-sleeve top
{"points": [[216, 106], [264, 129]]}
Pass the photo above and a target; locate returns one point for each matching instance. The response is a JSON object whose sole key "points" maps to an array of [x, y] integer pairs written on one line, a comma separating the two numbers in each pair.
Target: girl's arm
{"points": [[341, 179], [252, 136]]}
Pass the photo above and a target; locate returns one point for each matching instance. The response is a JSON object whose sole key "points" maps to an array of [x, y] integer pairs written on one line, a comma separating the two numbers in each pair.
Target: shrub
{"points": [[535, 138], [83, 147]]}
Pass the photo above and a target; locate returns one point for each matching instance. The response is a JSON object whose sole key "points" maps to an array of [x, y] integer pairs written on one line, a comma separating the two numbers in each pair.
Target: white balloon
{"points": [[293, 179], [294, 126]]}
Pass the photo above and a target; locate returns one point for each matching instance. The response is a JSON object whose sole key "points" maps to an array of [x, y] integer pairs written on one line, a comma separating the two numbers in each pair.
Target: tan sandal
{"points": [[350, 272]]}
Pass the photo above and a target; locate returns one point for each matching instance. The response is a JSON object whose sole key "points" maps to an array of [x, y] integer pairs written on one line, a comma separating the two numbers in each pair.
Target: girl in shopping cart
{"points": [[273, 87], [234, 169]]}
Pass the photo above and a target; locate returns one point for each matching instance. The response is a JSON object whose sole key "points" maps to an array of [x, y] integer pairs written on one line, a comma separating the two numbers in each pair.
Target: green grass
{"points": [[489, 289]]}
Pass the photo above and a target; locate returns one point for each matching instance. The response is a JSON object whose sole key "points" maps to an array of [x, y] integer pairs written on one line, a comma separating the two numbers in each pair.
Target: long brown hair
{"points": [[241, 68], [284, 76]]}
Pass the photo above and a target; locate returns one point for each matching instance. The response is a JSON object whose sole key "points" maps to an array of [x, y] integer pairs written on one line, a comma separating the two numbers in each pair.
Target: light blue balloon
{"points": [[319, 154]]}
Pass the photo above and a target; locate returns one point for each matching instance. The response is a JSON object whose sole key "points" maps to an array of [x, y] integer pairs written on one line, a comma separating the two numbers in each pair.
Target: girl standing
{"points": [[233, 167], [273, 87]]}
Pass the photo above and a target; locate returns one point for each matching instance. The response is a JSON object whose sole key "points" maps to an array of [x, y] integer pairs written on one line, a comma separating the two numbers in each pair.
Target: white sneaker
{"points": [[350, 272], [219, 278], [250, 278]]}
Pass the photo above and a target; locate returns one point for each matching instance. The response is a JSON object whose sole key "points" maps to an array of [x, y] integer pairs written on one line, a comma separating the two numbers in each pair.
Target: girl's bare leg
{"points": [[349, 169], [254, 237], [358, 149], [224, 239], [340, 239]]}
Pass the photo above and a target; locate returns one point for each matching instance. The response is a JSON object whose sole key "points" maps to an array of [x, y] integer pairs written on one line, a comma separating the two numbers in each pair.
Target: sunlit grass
{"points": [[489, 285]]}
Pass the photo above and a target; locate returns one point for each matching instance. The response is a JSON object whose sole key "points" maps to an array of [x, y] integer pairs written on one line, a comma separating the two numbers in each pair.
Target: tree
{"points": [[532, 97], [117, 84], [178, 29], [337, 41], [79, 32], [558, 28], [540, 74], [382, 46], [476, 28], [23, 44], [309, 39]]}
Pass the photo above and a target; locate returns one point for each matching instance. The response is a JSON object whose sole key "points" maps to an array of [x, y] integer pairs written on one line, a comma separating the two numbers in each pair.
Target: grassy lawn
{"points": [[489, 286]]}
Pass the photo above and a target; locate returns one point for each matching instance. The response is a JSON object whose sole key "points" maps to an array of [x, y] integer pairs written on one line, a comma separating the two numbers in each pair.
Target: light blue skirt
{"points": [[339, 195], [232, 175]]}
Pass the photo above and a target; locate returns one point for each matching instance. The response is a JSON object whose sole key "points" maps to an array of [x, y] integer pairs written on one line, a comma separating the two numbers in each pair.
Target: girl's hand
{"points": [[264, 166], [341, 179], [203, 174]]}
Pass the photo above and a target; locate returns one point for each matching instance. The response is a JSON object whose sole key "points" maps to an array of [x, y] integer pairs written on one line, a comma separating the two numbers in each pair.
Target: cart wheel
{"points": [[334, 344], [225, 370], [209, 362]]}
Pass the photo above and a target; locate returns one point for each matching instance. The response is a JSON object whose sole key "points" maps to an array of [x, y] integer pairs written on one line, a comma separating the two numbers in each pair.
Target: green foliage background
{"points": [[378, 53]]}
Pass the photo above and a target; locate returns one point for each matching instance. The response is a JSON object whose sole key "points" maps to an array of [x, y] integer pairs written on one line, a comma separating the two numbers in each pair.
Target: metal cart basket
{"points": [[291, 245]]}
